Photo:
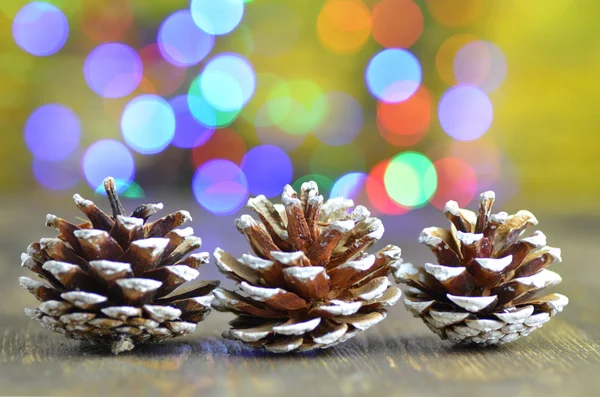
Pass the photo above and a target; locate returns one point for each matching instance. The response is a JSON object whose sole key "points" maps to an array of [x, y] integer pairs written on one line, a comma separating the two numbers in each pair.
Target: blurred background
{"points": [[399, 104]]}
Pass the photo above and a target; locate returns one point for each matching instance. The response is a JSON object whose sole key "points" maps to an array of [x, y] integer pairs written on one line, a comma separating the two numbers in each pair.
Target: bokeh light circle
{"points": [[348, 185], [296, 106], [181, 41], [377, 194], [267, 169], [59, 175], [228, 82], [113, 70], [343, 120], [189, 132], [405, 123], [393, 75], [220, 186], [40, 28], [217, 17], [52, 132], [397, 23], [343, 26], [480, 63], [204, 111], [225, 143], [465, 112], [456, 181], [148, 124], [444, 59], [410, 179], [107, 157]]}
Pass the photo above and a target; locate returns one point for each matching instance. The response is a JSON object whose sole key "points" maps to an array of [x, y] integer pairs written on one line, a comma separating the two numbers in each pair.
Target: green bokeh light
{"points": [[323, 182], [410, 179], [296, 106], [126, 189], [204, 112]]}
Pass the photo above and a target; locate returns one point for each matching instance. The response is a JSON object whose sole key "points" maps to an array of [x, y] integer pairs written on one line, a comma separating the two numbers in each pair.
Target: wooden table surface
{"points": [[399, 357]]}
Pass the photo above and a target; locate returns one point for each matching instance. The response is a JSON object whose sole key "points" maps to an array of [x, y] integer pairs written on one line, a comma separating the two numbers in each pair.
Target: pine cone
{"points": [[484, 289], [118, 280], [311, 284]]}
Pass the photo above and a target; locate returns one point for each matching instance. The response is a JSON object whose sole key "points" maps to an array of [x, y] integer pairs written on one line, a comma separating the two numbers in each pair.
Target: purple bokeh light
{"points": [[480, 63], [113, 70], [465, 112], [40, 28], [267, 169], [220, 186], [52, 132], [108, 157], [181, 42]]}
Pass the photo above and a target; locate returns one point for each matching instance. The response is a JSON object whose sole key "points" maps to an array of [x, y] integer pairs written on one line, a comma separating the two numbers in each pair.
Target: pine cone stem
{"points": [[113, 197]]}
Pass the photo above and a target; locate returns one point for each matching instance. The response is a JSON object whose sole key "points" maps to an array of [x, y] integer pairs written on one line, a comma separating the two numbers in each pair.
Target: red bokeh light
{"points": [[224, 144], [397, 23], [405, 123], [456, 181]]}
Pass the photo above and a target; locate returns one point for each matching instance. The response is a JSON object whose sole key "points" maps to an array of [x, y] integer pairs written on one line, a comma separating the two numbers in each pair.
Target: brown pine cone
{"points": [[311, 284], [118, 280], [484, 290]]}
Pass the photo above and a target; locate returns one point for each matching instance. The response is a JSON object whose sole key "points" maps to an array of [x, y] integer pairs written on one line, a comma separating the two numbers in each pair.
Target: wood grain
{"points": [[399, 357]]}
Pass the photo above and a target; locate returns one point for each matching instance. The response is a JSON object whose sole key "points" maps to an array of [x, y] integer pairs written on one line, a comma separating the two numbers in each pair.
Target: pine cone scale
{"points": [[484, 289], [118, 280], [310, 285]]}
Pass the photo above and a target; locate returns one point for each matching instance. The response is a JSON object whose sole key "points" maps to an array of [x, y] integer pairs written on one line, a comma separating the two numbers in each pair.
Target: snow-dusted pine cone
{"points": [[485, 288], [118, 280], [311, 284]]}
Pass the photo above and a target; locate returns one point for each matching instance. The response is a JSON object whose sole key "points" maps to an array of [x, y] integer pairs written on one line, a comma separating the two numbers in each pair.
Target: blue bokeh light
{"points": [[40, 28], [393, 75], [267, 169], [217, 17], [342, 122], [52, 132], [228, 82], [60, 175], [148, 124], [189, 132], [220, 186], [107, 157], [465, 112], [348, 185], [181, 42], [113, 70]]}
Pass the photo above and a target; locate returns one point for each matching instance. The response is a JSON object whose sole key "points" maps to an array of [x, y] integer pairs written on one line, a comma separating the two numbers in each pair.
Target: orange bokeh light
{"points": [[405, 123], [456, 181], [224, 144], [343, 26], [397, 23], [165, 77], [444, 60], [377, 194], [455, 13], [107, 20]]}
